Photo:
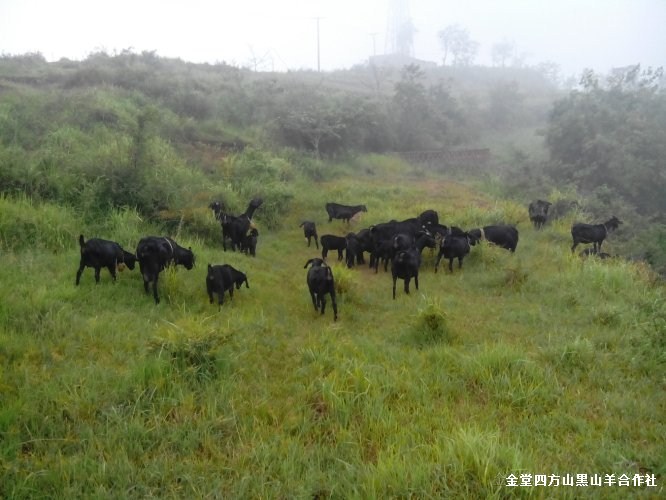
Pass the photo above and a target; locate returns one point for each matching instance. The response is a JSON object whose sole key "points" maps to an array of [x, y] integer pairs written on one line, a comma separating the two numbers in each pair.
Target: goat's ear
{"points": [[210, 267], [307, 264]]}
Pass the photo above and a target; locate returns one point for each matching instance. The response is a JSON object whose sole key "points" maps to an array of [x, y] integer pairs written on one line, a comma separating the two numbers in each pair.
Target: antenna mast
{"points": [[400, 29]]}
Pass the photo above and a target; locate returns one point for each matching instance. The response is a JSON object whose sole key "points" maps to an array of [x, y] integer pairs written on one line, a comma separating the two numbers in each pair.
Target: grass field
{"points": [[533, 363]]}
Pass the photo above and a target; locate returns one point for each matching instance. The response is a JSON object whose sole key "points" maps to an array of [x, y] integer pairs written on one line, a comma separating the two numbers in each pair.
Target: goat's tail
{"points": [[81, 241]]}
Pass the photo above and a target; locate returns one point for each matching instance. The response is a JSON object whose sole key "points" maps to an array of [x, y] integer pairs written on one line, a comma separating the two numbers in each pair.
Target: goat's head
{"points": [[129, 259], [315, 262], [186, 258], [612, 223]]}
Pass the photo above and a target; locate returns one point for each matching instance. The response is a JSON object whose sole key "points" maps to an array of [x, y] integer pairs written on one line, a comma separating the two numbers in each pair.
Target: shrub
{"points": [[431, 325]]}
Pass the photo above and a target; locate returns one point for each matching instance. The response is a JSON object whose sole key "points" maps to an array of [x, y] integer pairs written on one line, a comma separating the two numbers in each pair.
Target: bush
{"points": [[431, 325], [24, 224]]}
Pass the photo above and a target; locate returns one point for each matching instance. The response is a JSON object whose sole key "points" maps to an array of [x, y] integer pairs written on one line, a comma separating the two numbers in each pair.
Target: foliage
{"points": [[455, 40], [613, 135], [429, 396]]}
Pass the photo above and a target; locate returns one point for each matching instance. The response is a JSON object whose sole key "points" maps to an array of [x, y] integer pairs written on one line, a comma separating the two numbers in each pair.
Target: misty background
{"points": [[281, 36]]}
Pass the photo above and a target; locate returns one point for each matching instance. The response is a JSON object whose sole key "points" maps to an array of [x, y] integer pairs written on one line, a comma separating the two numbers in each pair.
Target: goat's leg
{"points": [[451, 264], [82, 266], [316, 242], [97, 271], [575, 244], [406, 280], [416, 280], [460, 259], [335, 305], [322, 301], [157, 299], [112, 270], [314, 301], [395, 278], [439, 257]]}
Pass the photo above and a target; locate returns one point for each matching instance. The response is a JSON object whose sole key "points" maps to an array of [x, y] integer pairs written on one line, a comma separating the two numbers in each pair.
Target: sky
{"points": [[281, 35]]}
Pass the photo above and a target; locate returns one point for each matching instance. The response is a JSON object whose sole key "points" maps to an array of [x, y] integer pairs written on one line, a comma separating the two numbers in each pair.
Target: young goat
{"points": [[310, 231]]}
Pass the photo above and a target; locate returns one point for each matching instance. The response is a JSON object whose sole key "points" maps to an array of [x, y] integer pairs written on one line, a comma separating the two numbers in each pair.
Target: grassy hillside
{"points": [[536, 362]]}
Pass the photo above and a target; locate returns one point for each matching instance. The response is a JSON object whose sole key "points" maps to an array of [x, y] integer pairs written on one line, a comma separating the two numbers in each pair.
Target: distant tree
{"points": [[505, 104], [550, 70], [456, 42], [613, 133], [411, 108], [502, 52]]}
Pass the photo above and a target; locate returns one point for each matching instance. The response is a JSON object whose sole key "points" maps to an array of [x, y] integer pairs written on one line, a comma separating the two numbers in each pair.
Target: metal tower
{"points": [[399, 29]]}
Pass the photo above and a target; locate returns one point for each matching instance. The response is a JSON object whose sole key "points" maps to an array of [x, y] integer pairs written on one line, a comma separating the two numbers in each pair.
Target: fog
{"points": [[306, 34]]}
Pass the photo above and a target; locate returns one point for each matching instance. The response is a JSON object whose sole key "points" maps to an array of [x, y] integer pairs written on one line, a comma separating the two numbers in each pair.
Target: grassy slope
{"points": [[535, 362]]}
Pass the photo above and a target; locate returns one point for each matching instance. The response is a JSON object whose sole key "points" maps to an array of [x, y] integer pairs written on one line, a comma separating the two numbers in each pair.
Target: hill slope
{"points": [[536, 363]]}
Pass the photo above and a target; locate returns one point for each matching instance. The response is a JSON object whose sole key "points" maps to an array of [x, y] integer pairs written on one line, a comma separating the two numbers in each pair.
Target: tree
{"points": [[613, 134], [455, 41], [505, 104], [502, 52], [411, 108]]}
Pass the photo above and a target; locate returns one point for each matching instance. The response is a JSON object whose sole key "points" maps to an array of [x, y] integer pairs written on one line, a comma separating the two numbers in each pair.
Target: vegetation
{"points": [[538, 362]]}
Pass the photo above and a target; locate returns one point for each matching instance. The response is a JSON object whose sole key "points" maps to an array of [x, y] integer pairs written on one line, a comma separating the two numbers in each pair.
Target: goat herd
{"points": [[399, 243]]}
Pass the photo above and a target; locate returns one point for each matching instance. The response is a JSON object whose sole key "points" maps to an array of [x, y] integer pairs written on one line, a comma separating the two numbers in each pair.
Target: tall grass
{"points": [[533, 362]]}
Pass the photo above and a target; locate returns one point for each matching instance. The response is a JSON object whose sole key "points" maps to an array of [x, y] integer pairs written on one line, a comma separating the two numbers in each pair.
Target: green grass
{"points": [[536, 362]]}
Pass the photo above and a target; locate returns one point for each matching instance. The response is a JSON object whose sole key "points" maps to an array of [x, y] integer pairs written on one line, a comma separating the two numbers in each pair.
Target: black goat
{"points": [[593, 233], [354, 250], [155, 253], [223, 278], [503, 236], [320, 283], [310, 231], [344, 212], [249, 242], [428, 217], [455, 245], [332, 242], [405, 265], [538, 211], [218, 209], [234, 227], [97, 253]]}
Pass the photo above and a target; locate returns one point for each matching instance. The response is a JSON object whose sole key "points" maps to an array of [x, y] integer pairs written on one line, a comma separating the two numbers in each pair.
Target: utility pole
{"points": [[318, 51], [374, 44]]}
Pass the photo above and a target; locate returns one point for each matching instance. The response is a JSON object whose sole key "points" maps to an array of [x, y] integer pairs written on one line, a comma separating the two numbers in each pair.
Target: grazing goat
{"points": [[455, 245], [405, 265], [502, 236], [310, 231], [155, 253], [320, 283], [223, 278], [538, 211], [344, 212], [97, 253], [593, 233], [332, 242]]}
